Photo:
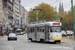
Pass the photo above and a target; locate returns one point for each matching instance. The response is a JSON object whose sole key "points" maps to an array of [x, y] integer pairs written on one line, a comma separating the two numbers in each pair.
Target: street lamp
{"points": [[73, 18], [36, 13]]}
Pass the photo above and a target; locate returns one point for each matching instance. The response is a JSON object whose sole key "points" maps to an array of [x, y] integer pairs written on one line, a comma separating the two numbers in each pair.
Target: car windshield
{"points": [[18, 31], [55, 29], [62, 31], [12, 35], [68, 31]]}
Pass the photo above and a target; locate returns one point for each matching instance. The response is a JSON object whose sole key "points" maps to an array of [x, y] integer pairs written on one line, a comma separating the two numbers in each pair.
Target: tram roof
{"points": [[45, 23]]}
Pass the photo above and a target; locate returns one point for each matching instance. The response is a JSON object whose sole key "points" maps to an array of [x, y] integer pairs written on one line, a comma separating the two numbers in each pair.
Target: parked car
{"points": [[63, 33], [69, 32], [22, 33], [12, 36]]}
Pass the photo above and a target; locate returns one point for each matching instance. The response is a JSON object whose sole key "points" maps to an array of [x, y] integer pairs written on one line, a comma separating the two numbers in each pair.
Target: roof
{"points": [[50, 23]]}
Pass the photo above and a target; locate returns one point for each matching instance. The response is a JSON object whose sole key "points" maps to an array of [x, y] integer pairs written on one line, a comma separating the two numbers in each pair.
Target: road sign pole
{"points": [[73, 18], [37, 13]]}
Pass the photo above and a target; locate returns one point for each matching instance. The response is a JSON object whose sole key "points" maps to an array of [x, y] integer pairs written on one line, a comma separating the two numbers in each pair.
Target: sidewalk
{"points": [[65, 39]]}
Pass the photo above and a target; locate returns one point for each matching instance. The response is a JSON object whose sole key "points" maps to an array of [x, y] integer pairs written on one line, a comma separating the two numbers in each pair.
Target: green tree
{"points": [[69, 16], [47, 13]]}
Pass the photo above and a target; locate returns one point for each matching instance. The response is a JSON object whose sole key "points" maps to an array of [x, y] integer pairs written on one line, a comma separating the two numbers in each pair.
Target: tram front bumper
{"points": [[57, 39]]}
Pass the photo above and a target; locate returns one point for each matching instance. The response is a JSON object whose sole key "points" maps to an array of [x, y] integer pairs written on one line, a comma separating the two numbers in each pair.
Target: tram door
{"points": [[35, 32], [46, 32]]}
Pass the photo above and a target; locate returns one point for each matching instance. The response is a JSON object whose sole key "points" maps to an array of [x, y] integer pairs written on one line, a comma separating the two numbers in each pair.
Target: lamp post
{"points": [[36, 13], [73, 18]]}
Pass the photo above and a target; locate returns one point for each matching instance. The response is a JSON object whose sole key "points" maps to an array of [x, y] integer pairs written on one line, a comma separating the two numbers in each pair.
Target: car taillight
{"points": [[67, 33], [71, 33]]}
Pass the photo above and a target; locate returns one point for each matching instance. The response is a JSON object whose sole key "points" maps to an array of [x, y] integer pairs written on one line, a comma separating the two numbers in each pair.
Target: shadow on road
{"points": [[46, 42]]}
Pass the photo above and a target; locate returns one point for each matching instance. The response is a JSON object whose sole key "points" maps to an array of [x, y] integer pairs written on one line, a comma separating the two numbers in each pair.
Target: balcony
{"points": [[10, 17], [10, 2]]}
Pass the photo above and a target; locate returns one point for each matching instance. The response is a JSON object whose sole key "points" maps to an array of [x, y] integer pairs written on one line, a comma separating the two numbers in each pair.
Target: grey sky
{"points": [[32, 3]]}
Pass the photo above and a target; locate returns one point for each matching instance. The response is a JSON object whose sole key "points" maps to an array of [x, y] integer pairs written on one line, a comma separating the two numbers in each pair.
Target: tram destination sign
{"points": [[56, 23]]}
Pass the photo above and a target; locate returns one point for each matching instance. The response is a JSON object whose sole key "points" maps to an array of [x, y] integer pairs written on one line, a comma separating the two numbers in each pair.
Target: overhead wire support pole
{"points": [[36, 13], [55, 13], [55, 9], [73, 18]]}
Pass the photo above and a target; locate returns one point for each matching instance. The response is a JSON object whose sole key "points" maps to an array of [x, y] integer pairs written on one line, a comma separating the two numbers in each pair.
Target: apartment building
{"points": [[1, 13], [8, 12], [24, 15], [16, 13]]}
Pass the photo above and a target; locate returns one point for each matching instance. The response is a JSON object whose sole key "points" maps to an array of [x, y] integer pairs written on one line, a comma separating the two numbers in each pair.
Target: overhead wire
{"points": [[54, 2]]}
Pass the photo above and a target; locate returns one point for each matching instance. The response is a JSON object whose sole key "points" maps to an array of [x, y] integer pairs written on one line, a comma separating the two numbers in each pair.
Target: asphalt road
{"points": [[23, 44]]}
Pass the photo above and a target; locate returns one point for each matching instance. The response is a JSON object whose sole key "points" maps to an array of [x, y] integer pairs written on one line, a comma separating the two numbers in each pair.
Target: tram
{"points": [[44, 31]]}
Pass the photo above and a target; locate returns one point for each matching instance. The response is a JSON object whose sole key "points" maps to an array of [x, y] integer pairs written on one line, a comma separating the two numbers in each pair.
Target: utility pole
{"points": [[55, 13], [73, 18], [36, 13]]}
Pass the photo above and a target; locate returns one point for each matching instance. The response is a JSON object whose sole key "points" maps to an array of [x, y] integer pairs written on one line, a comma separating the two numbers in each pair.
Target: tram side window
{"points": [[42, 28], [38, 29], [32, 29]]}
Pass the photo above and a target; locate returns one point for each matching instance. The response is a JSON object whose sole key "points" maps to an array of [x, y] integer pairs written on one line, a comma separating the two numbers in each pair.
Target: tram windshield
{"points": [[55, 29]]}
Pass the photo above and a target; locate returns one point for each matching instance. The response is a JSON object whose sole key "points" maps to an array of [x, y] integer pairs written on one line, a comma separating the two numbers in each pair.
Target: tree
{"points": [[69, 16], [47, 13], [66, 17]]}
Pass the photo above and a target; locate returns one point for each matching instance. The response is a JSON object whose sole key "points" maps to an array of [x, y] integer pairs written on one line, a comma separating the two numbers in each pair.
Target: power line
{"points": [[54, 2]]}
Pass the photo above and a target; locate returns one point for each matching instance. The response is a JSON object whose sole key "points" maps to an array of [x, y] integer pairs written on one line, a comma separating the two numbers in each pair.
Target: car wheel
{"points": [[16, 39], [8, 39]]}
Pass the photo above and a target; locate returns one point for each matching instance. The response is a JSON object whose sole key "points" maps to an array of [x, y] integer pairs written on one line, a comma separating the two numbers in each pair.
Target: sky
{"points": [[54, 3]]}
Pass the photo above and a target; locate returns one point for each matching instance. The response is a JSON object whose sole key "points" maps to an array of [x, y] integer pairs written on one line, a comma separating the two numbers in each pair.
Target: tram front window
{"points": [[55, 29]]}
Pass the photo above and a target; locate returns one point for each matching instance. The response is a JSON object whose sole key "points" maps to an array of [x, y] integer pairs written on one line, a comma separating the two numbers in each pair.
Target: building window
{"points": [[11, 0]]}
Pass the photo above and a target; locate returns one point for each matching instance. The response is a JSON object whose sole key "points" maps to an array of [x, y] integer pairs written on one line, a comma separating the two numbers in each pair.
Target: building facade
{"points": [[8, 13], [22, 21], [24, 15], [1, 13], [16, 13], [26, 18]]}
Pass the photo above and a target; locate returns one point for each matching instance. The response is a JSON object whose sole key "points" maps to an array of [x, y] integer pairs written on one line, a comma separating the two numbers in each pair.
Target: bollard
{"points": [[25, 35]]}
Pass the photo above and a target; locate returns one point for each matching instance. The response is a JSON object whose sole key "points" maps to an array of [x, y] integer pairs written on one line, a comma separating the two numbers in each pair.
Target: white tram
{"points": [[44, 31]]}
